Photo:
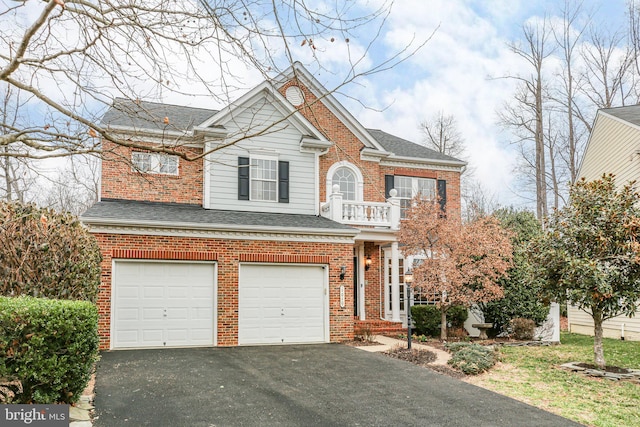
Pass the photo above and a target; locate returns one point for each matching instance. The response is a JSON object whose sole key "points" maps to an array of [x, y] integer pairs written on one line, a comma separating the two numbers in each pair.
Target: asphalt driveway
{"points": [[305, 385]]}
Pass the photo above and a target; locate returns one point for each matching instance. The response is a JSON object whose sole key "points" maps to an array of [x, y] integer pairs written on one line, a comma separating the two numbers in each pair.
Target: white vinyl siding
{"points": [[283, 141], [581, 322], [614, 148]]}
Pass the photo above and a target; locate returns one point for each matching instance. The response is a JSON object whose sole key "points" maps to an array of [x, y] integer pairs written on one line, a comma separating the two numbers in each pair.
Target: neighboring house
{"points": [[288, 236], [613, 147]]}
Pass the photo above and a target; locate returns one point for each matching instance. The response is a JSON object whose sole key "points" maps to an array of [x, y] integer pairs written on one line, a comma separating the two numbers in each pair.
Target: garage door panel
{"points": [[281, 303], [163, 304]]}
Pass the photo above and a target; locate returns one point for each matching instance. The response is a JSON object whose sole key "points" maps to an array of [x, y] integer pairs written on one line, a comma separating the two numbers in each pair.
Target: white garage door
{"points": [[282, 304], [162, 304]]}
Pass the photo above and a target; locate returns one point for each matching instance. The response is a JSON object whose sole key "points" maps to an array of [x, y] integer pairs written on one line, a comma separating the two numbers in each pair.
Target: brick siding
{"points": [[121, 181], [228, 254]]}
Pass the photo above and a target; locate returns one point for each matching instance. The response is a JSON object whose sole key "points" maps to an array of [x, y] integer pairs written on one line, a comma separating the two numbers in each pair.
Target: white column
{"points": [[395, 283], [394, 214], [361, 282], [335, 204]]}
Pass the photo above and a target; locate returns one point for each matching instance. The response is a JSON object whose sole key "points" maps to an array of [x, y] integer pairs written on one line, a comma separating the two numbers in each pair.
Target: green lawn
{"points": [[531, 374]]}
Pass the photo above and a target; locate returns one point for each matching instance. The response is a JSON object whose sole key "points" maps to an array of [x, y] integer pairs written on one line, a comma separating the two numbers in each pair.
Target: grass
{"points": [[532, 375]]}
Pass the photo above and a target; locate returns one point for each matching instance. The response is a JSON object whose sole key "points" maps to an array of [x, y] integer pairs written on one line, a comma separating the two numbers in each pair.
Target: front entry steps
{"points": [[377, 327]]}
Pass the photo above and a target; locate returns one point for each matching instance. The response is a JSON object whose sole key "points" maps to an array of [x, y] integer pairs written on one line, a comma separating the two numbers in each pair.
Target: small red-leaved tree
{"points": [[462, 262]]}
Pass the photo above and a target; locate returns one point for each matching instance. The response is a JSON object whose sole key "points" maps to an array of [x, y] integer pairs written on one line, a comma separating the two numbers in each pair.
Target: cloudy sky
{"points": [[458, 71]]}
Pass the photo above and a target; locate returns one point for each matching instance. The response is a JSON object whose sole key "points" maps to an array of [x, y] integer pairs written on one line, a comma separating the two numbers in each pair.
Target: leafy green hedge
{"points": [[48, 345], [427, 318]]}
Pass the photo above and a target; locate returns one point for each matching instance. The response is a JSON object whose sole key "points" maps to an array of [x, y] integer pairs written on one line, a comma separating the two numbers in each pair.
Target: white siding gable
{"points": [[614, 147], [282, 139]]}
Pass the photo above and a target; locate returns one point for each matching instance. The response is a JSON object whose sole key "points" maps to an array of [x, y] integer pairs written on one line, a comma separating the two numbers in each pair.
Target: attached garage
{"points": [[162, 304], [282, 304]]}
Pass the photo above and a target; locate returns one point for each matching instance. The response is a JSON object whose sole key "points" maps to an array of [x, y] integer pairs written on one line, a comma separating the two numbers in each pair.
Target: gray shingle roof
{"points": [[629, 113], [150, 115], [128, 211], [403, 148]]}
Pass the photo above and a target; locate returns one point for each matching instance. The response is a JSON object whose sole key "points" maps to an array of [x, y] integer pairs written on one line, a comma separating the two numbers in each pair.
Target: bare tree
{"points": [[70, 59], [525, 114], [440, 133]]}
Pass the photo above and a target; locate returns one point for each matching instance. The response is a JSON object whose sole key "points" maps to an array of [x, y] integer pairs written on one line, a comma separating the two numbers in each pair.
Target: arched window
{"points": [[346, 179]]}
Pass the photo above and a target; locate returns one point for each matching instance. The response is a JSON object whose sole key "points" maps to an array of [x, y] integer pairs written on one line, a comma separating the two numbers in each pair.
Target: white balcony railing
{"points": [[376, 214]]}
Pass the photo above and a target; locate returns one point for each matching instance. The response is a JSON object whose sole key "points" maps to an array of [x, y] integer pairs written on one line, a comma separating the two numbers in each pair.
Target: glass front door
{"points": [[388, 291]]}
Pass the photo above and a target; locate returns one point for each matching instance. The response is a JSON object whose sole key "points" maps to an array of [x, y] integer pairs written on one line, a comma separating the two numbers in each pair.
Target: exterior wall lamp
{"points": [[367, 263], [343, 271]]}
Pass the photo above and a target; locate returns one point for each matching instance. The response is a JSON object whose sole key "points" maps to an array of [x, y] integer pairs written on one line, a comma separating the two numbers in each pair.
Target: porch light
{"points": [[408, 279], [343, 272], [367, 263]]}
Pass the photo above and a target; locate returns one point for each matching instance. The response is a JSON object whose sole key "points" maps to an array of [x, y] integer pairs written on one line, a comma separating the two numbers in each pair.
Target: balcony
{"points": [[373, 214]]}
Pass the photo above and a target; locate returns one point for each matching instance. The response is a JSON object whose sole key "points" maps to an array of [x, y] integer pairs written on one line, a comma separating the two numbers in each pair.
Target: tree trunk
{"points": [[443, 323], [598, 350]]}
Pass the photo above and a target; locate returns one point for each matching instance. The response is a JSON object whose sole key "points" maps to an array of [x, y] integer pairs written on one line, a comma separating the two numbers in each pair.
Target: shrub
{"points": [[472, 359], [427, 318], [46, 254], [523, 329], [521, 287], [50, 346], [457, 315]]}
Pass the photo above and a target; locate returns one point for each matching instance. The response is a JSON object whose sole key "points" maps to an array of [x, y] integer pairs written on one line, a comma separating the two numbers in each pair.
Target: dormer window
{"points": [[156, 163]]}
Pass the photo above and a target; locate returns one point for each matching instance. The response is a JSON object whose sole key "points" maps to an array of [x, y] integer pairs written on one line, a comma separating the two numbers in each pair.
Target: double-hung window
{"points": [[157, 163], [409, 187], [264, 178]]}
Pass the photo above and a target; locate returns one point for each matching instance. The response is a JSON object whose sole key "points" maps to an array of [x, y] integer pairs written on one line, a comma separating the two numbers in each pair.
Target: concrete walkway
{"points": [[387, 343]]}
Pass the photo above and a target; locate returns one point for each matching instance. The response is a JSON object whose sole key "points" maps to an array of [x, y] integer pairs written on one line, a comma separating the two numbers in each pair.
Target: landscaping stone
{"points": [[632, 375], [78, 414]]}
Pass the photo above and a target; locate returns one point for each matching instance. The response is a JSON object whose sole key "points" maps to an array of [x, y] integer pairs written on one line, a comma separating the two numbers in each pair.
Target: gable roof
{"points": [[403, 148], [175, 215], [150, 115], [629, 113], [299, 72]]}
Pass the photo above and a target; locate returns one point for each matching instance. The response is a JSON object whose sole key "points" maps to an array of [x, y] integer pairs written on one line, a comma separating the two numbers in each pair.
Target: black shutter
{"points": [[243, 178], [283, 182], [442, 194], [388, 185]]}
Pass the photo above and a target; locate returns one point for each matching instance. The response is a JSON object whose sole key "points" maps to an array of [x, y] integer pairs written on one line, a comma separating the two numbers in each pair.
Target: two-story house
{"points": [[286, 236]]}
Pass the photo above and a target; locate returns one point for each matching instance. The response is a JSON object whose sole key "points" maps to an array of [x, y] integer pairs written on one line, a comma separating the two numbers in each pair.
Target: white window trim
{"points": [[154, 163], [263, 156], [359, 179], [414, 186]]}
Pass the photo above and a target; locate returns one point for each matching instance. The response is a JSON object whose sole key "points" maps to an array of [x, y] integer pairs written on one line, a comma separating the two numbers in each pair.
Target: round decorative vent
{"points": [[294, 95]]}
